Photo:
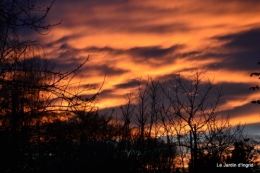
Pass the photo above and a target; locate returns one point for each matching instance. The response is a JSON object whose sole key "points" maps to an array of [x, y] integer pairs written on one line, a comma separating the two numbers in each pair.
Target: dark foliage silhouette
{"points": [[255, 87]]}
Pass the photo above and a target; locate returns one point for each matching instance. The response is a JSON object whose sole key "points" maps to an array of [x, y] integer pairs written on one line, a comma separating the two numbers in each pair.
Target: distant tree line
{"points": [[48, 126], [184, 112]]}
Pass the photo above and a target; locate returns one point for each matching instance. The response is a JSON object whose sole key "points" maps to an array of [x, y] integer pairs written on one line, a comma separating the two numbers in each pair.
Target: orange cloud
{"points": [[127, 40]]}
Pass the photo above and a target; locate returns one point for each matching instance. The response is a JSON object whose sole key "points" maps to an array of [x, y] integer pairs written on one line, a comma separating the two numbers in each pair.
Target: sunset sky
{"points": [[131, 39]]}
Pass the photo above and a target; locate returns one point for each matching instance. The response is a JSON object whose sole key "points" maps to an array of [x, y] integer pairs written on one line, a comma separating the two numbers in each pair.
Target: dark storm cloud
{"points": [[148, 52], [107, 92], [65, 65], [235, 90], [241, 111], [90, 69], [136, 26], [240, 51], [230, 90], [130, 84], [108, 70], [68, 54], [190, 55], [117, 16], [63, 41], [245, 41], [91, 86], [68, 61], [154, 55], [65, 46], [110, 93], [86, 13], [152, 52], [162, 28], [103, 49]]}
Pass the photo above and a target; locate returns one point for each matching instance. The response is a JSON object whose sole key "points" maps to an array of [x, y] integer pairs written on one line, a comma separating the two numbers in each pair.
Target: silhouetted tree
{"points": [[190, 111], [245, 155], [145, 147], [257, 87], [16, 16], [188, 118], [36, 101]]}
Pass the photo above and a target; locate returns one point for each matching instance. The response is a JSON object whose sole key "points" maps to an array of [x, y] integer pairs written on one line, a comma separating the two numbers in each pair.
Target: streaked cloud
{"points": [[128, 40]]}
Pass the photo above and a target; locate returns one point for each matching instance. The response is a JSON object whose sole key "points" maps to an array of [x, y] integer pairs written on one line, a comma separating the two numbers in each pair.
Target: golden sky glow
{"points": [[130, 39]]}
